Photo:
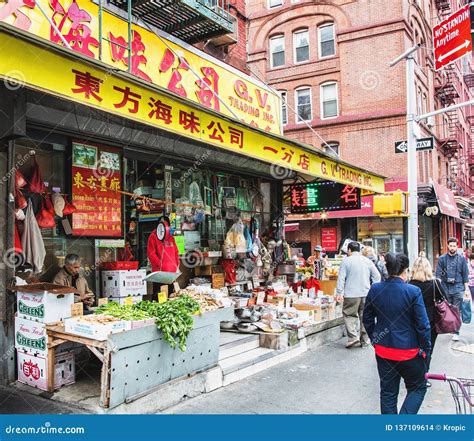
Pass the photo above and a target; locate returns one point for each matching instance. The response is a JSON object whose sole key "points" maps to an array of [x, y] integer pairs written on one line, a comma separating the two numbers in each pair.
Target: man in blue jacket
{"points": [[453, 272], [396, 321]]}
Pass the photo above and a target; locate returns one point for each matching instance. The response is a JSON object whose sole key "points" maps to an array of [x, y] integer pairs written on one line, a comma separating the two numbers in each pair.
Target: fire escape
{"points": [[447, 92], [469, 80]]}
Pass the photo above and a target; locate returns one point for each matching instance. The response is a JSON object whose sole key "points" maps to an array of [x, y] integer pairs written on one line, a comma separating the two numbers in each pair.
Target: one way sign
{"points": [[421, 144]]}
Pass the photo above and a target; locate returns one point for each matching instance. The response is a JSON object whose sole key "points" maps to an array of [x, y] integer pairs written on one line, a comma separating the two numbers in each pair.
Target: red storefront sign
{"points": [[452, 38], [329, 238], [96, 177]]}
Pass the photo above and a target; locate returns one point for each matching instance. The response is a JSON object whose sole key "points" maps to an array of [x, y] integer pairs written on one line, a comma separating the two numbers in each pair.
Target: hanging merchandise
{"points": [[20, 180], [36, 181], [45, 217], [18, 246], [162, 250], [58, 203], [20, 201], [229, 266], [196, 199], [69, 207], [19, 214], [248, 239], [32, 241], [235, 237]]}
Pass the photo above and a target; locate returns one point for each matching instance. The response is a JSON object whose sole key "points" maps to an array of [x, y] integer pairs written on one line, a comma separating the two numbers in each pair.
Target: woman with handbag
{"points": [[422, 277], [397, 324]]}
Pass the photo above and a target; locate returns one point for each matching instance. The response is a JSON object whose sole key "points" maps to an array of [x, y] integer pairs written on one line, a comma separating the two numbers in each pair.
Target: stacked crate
{"points": [[124, 286], [36, 309]]}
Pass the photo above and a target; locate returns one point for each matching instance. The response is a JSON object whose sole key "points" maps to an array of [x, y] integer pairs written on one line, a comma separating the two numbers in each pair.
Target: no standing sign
{"points": [[452, 38]]}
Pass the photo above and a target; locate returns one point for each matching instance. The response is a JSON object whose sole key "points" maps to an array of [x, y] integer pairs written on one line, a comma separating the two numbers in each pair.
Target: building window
{"points": [[419, 102], [284, 108], [425, 103], [327, 45], [329, 104], [303, 104], [331, 148], [277, 51], [274, 3], [301, 45]]}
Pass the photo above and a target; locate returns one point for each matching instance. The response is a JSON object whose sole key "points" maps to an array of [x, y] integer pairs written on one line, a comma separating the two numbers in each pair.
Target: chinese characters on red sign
{"points": [[94, 193]]}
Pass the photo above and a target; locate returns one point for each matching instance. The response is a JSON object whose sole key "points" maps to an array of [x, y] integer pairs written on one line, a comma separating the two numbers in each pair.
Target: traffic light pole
{"points": [[412, 227]]}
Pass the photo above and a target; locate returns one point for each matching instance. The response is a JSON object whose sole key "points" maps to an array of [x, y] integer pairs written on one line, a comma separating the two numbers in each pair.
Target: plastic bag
{"points": [[235, 237], [20, 201], [36, 181], [58, 203], [45, 217], [229, 266], [20, 180], [69, 207], [466, 311]]}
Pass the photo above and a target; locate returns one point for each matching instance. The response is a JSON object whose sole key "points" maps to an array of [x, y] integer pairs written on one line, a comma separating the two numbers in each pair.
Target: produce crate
{"points": [[44, 302], [30, 337], [123, 283], [218, 281], [94, 330], [208, 270], [33, 371], [120, 265]]}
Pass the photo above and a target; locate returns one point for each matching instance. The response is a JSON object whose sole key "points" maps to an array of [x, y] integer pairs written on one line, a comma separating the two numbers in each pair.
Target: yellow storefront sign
{"points": [[50, 69], [178, 67]]}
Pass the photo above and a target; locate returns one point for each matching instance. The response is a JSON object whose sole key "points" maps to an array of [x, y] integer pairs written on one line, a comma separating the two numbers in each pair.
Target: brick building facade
{"points": [[330, 60]]}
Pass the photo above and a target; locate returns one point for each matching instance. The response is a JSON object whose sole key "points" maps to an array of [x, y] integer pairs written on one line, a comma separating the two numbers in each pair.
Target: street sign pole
{"points": [[412, 162]]}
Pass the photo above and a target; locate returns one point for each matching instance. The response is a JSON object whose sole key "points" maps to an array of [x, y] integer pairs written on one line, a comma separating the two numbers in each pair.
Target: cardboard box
{"points": [[30, 337], [135, 324], [123, 283], [34, 370], [130, 300], [97, 331], [44, 302], [218, 281]]}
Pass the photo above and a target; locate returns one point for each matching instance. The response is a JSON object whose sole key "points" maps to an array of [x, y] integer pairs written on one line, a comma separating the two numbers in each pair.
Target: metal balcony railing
{"points": [[189, 20]]}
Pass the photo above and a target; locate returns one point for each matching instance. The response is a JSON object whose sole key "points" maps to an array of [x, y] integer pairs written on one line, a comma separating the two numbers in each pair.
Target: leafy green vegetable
{"points": [[173, 318]]}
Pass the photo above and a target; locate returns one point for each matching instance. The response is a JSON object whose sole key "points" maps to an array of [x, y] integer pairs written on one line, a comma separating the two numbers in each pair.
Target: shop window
{"points": [[329, 102], [284, 108], [303, 104], [277, 51], [301, 46], [327, 44]]}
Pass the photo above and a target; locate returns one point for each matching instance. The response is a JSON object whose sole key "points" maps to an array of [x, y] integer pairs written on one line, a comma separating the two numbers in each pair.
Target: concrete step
{"points": [[252, 362], [238, 346]]}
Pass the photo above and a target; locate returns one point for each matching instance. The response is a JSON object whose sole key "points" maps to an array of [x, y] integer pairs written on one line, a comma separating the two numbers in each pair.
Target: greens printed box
{"points": [[44, 302], [30, 337]]}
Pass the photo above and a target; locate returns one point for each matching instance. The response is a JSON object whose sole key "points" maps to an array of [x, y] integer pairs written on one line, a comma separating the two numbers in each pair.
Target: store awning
{"points": [[54, 70], [446, 202]]}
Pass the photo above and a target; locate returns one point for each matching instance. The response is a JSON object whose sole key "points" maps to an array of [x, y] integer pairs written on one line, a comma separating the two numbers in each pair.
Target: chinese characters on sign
{"points": [[323, 196], [179, 68], [96, 177]]}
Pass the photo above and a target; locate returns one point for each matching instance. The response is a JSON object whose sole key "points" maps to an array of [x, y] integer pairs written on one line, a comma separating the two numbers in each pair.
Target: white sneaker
{"points": [[455, 337]]}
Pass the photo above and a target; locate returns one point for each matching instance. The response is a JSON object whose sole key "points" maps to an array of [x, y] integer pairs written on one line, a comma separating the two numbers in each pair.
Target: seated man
{"points": [[69, 276]]}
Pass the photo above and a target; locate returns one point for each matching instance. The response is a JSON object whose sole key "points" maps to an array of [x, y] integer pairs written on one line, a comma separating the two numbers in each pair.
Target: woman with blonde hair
{"points": [[369, 252], [422, 277]]}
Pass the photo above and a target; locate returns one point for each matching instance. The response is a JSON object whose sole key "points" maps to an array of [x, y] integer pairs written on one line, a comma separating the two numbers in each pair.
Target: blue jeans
{"points": [[390, 373], [456, 299]]}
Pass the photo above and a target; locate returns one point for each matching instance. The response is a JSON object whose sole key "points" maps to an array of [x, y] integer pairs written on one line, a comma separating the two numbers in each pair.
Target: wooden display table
{"points": [[57, 336]]}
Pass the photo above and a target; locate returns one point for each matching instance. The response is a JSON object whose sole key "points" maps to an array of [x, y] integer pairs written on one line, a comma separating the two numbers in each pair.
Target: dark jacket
{"points": [[430, 292], [395, 316], [452, 268]]}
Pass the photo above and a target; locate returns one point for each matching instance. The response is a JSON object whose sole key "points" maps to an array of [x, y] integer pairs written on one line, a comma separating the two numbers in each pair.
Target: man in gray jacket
{"points": [[356, 274]]}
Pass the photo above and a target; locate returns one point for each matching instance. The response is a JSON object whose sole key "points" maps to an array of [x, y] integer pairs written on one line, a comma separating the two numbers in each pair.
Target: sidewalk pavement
{"points": [[330, 379]]}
